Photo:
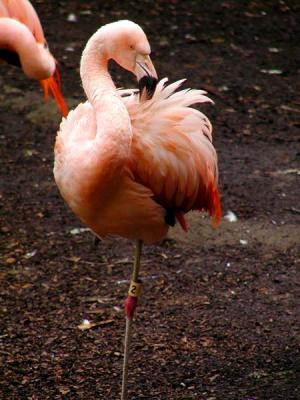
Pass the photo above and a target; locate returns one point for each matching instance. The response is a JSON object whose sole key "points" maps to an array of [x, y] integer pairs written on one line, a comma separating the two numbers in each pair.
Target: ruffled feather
{"points": [[172, 151]]}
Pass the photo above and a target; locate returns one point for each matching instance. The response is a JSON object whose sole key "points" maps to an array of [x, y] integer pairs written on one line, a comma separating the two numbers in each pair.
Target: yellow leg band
{"points": [[135, 289]]}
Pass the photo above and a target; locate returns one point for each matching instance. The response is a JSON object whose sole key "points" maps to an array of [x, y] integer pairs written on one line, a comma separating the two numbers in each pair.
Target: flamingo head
{"points": [[126, 43], [44, 69], [40, 65]]}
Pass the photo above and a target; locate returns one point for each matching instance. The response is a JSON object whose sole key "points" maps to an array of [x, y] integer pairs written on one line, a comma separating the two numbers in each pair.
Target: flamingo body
{"points": [[123, 163], [130, 165], [110, 201], [22, 43]]}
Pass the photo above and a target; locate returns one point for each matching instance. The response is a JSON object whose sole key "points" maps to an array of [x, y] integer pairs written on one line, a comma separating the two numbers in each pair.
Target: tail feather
{"points": [[182, 221], [212, 204], [182, 98], [215, 206], [179, 139]]}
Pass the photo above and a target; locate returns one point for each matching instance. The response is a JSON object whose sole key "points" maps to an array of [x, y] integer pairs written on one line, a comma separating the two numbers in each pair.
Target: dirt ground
{"points": [[218, 316]]}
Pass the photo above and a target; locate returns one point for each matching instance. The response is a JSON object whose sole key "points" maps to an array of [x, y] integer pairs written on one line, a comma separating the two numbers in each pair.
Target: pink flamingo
{"points": [[131, 166], [22, 43]]}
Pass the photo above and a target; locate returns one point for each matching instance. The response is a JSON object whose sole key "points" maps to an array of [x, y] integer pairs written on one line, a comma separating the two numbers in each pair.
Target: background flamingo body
{"points": [[120, 163], [22, 43]]}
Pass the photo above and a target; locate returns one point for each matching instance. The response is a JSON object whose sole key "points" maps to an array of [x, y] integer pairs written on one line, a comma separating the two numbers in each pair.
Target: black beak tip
{"points": [[148, 83]]}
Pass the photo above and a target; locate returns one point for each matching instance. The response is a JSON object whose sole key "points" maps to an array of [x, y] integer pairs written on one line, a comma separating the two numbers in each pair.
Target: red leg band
{"points": [[130, 305]]}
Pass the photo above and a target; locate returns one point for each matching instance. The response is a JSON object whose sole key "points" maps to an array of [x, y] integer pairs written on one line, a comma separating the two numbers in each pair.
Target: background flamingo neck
{"points": [[15, 36]]}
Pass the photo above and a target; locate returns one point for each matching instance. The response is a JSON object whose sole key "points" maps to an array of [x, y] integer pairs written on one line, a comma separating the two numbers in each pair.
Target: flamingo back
{"points": [[172, 166]]}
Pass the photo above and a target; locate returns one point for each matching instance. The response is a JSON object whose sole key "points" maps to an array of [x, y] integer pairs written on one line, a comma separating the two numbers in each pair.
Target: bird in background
{"points": [[132, 164], [22, 43]]}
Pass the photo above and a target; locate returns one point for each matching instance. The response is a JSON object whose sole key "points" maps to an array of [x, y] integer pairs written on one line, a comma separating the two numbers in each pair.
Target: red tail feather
{"points": [[215, 209], [180, 218]]}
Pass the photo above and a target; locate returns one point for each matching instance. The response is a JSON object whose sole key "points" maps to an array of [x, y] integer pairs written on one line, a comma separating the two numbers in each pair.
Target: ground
{"points": [[217, 318]]}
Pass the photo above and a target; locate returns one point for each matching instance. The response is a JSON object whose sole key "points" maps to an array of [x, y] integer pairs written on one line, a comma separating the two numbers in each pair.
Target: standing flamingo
{"points": [[131, 166], [22, 43]]}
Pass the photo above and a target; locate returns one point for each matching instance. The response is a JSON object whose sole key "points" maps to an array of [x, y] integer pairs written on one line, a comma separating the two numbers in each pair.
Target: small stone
{"points": [[72, 18]]}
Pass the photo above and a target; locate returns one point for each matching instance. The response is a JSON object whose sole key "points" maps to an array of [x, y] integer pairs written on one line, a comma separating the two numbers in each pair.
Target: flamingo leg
{"points": [[130, 305]]}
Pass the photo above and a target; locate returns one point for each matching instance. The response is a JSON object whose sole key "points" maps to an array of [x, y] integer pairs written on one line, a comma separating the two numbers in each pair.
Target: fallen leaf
{"points": [[217, 40], [294, 210], [288, 108], [271, 71], [290, 171], [77, 231], [274, 50], [75, 259], [30, 254], [164, 256], [86, 324], [63, 390], [10, 260]]}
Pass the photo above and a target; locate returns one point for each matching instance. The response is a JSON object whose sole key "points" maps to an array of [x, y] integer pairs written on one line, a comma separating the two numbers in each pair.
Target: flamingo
{"points": [[132, 164], [22, 43]]}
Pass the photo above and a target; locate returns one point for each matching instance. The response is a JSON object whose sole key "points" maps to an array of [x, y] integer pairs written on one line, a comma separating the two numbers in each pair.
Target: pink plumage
{"points": [[131, 165], [121, 162]]}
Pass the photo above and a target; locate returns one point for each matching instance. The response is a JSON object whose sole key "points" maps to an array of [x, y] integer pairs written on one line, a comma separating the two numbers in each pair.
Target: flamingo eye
{"points": [[131, 46]]}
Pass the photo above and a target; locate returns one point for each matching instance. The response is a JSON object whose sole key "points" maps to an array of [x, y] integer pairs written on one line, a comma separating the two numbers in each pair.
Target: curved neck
{"points": [[93, 71], [17, 37], [113, 121]]}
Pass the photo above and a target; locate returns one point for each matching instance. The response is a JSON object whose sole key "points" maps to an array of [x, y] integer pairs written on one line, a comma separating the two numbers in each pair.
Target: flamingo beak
{"points": [[146, 75], [52, 85]]}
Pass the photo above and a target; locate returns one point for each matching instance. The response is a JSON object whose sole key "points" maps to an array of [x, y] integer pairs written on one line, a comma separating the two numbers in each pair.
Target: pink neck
{"points": [[15, 36], [113, 122]]}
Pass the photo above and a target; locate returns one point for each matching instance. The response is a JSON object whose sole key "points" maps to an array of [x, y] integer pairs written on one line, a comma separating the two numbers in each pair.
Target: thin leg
{"points": [[130, 305], [126, 358]]}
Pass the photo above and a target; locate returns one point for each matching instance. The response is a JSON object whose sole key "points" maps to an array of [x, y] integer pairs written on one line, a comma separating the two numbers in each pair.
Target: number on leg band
{"points": [[135, 289]]}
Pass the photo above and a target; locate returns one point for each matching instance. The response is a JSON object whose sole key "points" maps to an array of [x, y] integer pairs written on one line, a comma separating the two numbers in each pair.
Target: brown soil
{"points": [[218, 316]]}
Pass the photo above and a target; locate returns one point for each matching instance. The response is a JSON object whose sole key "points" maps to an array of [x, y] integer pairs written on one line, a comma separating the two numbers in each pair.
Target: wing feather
{"points": [[172, 151]]}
